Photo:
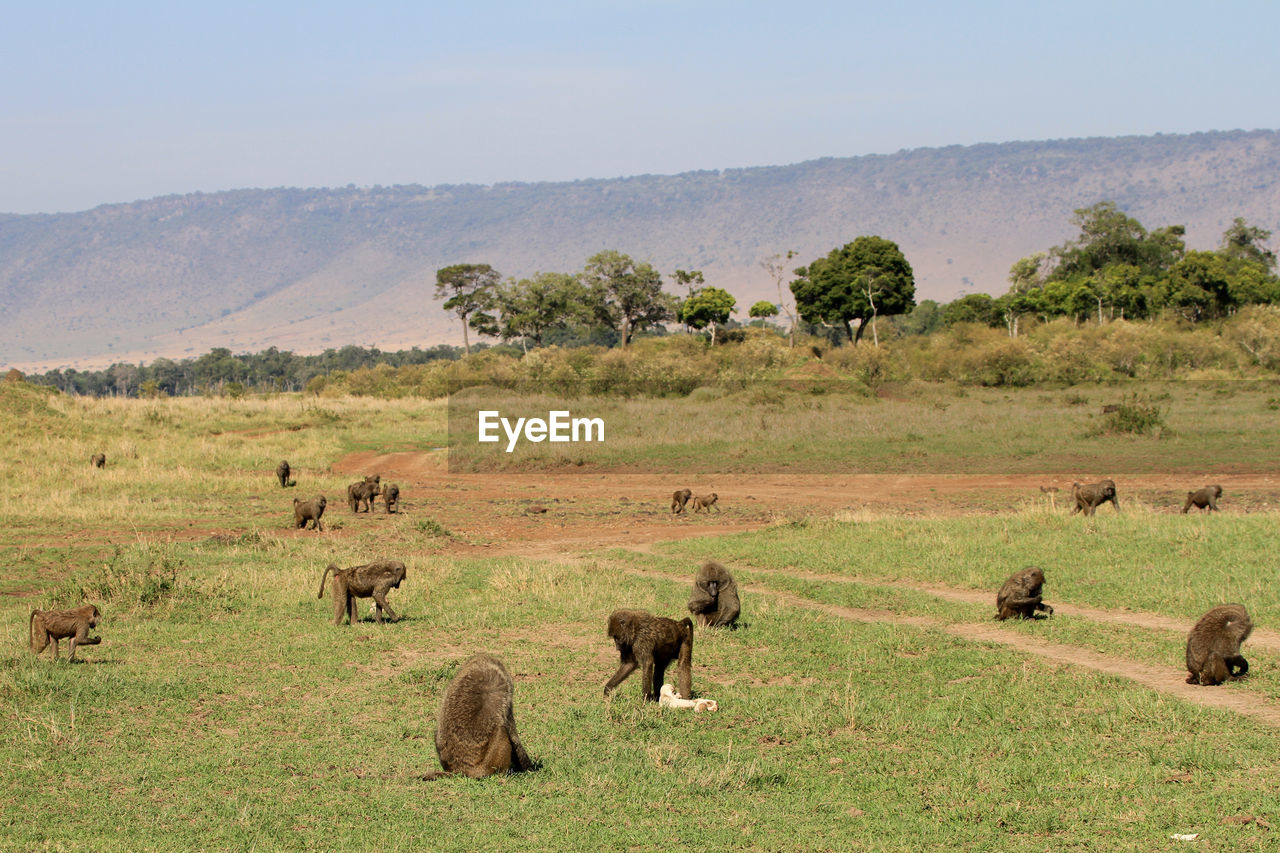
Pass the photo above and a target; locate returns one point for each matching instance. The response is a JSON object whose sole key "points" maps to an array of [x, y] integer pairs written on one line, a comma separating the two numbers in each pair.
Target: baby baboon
{"points": [[714, 602], [476, 731], [706, 502], [678, 499], [370, 580], [1206, 498], [98, 460], [55, 625], [1213, 646], [1020, 595], [1091, 496], [391, 496], [362, 494], [651, 643], [304, 511], [282, 473]]}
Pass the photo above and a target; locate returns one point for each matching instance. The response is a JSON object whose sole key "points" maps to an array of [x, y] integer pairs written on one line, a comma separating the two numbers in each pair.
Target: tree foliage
{"points": [[466, 289], [627, 296], [710, 306], [864, 279]]}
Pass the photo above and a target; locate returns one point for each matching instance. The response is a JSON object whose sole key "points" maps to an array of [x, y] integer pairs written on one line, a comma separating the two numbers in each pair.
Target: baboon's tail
{"points": [[332, 567]]}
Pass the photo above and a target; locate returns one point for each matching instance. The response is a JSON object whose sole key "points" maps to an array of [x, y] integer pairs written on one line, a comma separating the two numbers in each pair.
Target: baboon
{"points": [[55, 625], [282, 473], [1091, 496], [376, 479], [1206, 498], [371, 580], [706, 502], [1213, 646], [678, 499], [1109, 408], [362, 494], [1052, 492], [1020, 595], [304, 511], [651, 643], [476, 732], [714, 602], [98, 460], [391, 496]]}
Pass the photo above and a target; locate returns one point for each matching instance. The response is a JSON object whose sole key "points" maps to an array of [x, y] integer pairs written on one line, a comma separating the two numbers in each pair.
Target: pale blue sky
{"points": [[113, 102]]}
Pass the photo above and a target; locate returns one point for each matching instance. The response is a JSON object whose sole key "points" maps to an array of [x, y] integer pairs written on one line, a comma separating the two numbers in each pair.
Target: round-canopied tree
{"points": [[859, 281]]}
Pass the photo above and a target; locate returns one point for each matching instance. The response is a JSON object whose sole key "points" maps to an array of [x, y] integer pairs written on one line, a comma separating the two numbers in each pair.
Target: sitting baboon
{"points": [[1089, 497], [391, 496], [98, 460], [1213, 646], [304, 511], [651, 643], [362, 494], [476, 731], [714, 602], [55, 625], [371, 580], [678, 499], [1205, 499], [282, 473], [1020, 595], [706, 502]]}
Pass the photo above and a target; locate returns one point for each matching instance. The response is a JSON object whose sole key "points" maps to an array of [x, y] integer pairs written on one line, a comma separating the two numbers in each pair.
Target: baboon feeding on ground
{"points": [[476, 732], [55, 625], [678, 499], [362, 494], [714, 602], [304, 511], [371, 580], [1020, 595], [1213, 646], [282, 473], [706, 502], [1092, 495], [1206, 499], [98, 460], [651, 643], [391, 496]]}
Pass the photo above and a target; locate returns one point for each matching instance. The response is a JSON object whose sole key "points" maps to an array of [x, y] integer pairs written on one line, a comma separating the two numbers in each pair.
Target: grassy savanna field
{"points": [[867, 702]]}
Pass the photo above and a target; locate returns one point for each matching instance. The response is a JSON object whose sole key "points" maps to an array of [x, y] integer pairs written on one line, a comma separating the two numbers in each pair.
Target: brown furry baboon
{"points": [[391, 496], [1020, 595], [282, 473], [55, 625], [706, 502], [98, 460], [678, 499], [714, 602], [304, 511], [362, 494], [651, 643], [371, 580], [1091, 496], [1206, 499], [1213, 646], [476, 732]]}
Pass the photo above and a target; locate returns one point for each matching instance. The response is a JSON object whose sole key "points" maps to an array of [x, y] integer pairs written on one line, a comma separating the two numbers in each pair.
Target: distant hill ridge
{"points": [[306, 269]]}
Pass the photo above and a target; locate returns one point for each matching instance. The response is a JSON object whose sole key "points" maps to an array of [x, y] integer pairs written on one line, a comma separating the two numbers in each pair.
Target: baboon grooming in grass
{"points": [[706, 502], [55, 625], [678, 499], [1092, 495], [98, 460], [371, 580], [304, 511], [362, 494], [1020, 595], [282, 473], [714, 602], [651, 643], [1206, 498], [391, 496], [476, 731], [1213, 646]]}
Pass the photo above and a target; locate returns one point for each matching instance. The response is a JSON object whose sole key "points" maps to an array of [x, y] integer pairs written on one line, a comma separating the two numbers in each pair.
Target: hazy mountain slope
{"points": [[305, 269]]}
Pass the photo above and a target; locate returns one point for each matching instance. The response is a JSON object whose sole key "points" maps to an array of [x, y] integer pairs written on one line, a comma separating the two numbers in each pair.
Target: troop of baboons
{"points": [[681, 497], [1088, 497]]}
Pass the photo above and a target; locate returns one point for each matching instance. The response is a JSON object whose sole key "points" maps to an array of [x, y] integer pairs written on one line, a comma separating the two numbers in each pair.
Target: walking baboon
{"points": [[678, 499], [55, 625], [1206, 498], [1020, 595], [651, 643], [476, 731], [1052, 492], [702, 502], [1089, 497], [362, 494], [714, 602], [282, 473], [1213, 646], [98, 460], [371, 580], [391, 496], [304, 511]]}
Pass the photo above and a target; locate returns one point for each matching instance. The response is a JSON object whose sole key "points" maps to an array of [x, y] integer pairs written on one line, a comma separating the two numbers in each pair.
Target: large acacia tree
{"points": [[469, 289], [862, 280], [628, 296]]}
